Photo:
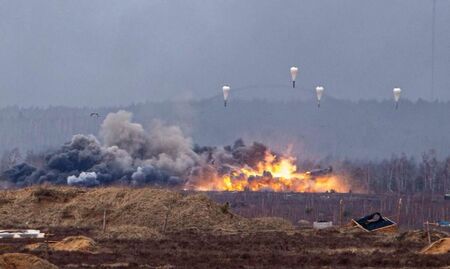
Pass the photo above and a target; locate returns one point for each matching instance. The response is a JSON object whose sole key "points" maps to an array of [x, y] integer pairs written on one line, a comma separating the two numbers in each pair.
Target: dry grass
{"points": [[23, 261], [133, 211], [420, 236], [272, 223], [130, 232]]}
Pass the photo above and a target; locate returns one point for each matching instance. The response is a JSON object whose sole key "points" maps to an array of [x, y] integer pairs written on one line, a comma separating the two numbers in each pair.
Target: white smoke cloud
{"points": [[85, 178], [118, 130], [163, 147]]}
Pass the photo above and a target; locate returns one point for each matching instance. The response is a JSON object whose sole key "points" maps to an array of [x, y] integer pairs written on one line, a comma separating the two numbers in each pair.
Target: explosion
{"points": [[129, 154], [273, 173]]}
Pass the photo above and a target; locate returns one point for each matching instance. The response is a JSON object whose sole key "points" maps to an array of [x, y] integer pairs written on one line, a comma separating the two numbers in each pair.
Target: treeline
{"points": [[340, 129], [400, 174], [396, 175]]}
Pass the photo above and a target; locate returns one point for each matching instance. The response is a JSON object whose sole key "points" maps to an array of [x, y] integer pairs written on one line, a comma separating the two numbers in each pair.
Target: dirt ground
{"points": [[151, 228], [192, 249]]}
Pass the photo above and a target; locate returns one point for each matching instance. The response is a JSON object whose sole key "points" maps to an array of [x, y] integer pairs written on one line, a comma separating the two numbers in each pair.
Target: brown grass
{"points": [[24, 261], [134, 211]]}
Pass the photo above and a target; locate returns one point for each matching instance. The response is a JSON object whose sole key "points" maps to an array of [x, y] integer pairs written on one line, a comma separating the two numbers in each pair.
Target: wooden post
{"points": [[169, 208], [104, 220], [399, 208], [341, 205], [428, 232]]}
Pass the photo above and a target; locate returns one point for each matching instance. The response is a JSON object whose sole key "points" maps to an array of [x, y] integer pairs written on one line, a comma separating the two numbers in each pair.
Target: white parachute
{"points": [[397, 92], [294, 72], [319, 92], [226, 93]]}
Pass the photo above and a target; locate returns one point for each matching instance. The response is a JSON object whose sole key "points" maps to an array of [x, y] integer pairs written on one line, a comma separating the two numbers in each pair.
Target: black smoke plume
{"points": [[129, 154]]}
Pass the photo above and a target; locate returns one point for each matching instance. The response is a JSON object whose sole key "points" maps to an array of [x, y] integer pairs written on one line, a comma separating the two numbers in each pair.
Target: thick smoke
{"points": [[130, 154]]}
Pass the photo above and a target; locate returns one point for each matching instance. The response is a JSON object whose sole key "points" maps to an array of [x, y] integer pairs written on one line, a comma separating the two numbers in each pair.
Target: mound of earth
{"points": [[130, 232], [420, 236], [71, 243], [154, 210], [75, 243], [24, 261], [441, 246]]}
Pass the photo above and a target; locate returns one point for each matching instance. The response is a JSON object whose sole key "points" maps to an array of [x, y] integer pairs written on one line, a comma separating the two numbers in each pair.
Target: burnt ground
{"points": [[193, 249]]}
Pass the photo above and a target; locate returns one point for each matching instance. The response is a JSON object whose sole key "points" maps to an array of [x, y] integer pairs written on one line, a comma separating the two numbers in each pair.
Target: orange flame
{"points": [[274, 173]]}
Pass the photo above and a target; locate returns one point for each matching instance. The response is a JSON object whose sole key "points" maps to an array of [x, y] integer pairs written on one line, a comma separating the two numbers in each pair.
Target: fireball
{"points": [[273, 173]]}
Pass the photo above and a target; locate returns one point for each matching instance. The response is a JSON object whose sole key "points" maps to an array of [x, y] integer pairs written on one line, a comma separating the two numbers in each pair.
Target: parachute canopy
{"points": [[397, 93], [294, 72], [226, 93], [319, 92]]}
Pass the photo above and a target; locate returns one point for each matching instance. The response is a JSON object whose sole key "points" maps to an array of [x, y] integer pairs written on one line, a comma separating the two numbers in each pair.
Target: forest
{"points": [[376, 148]]}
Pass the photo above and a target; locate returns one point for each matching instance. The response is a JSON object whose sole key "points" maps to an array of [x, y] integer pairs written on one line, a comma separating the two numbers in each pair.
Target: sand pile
{"points": [[154, 210], [71, 243], [75, 243], [24, 261], [441, 246]]}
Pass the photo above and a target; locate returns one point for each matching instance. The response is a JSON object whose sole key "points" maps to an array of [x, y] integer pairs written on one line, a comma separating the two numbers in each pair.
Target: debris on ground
{"points": [[21, 234], [322, 224], [375, 223]]}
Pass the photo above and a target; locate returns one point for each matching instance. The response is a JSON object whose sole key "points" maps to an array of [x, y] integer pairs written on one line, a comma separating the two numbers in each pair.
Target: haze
{"points": [[101, 53]]}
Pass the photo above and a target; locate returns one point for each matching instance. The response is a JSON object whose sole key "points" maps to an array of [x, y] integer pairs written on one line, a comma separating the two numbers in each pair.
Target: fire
{"points": [[273, 173]]}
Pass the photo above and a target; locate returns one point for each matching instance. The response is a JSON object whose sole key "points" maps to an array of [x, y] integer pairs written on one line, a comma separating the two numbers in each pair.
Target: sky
{"points": [[110, 52]]}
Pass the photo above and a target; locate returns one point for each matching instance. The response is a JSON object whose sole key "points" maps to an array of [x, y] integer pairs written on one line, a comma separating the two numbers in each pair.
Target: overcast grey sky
{"points": [[116, 52]]}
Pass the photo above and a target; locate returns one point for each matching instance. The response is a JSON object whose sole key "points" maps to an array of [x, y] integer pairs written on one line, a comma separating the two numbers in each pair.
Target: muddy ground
{"points": [[193, 249]]}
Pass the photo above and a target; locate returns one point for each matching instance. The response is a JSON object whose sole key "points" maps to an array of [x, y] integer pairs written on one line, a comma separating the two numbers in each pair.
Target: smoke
{"points": [[130, 154], [85, 178], [125, 153]]}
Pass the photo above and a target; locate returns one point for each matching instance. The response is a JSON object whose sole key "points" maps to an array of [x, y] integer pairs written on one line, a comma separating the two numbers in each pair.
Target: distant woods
{"points": [[400, 174], [379, 148]]}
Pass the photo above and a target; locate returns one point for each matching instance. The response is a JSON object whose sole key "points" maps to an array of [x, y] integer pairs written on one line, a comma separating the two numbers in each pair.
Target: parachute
{"points": [[294, 72], [319, 92], [397, 92], [226, 93]]}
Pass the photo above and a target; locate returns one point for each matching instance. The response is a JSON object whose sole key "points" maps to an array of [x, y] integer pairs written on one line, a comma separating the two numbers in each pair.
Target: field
{"points": [[414, 210], [149, 228]]}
